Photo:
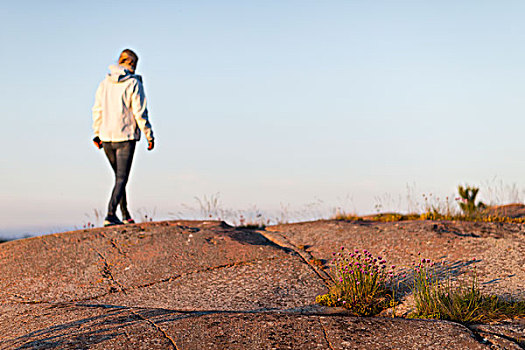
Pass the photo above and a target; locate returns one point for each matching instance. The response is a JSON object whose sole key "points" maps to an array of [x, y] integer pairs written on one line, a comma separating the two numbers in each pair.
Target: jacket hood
{"points": [[118, 74]]}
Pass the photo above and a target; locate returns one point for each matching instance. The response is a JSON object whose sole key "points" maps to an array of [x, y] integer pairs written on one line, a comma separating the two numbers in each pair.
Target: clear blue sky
{"points": [[268, 103]]}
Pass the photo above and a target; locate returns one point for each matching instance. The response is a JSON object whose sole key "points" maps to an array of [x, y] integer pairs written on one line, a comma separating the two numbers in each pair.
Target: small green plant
{"points": [[210, 207], [425, 289], [463, 303], [467, 201], [145, 215], [389, 217], [256, 223], [431, 215], [344, 216], [362, 283], [316, 262], [94, 219]]}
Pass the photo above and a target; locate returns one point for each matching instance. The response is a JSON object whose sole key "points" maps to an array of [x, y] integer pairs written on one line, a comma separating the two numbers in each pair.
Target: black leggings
{"points": [[120, 156]]}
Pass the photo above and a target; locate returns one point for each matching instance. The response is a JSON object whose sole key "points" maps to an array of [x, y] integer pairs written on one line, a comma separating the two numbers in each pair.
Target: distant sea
{"points": [[26, 232]]}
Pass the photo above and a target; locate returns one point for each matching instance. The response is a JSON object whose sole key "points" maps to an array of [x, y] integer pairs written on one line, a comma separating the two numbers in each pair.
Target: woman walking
{"points": [[119, 114]]}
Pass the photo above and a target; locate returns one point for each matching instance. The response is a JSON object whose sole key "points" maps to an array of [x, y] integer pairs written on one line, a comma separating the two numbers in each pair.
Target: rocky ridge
{"points": [[199, 285]]}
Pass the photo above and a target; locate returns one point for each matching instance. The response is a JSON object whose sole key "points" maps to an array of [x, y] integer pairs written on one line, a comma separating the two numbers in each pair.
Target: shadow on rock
{"points": [[115, 324], [441, 273], [252, 237], [91, 330]]}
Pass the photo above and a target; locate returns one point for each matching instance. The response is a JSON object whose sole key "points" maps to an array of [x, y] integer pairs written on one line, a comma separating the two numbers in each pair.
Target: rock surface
{"points": [[205, 285], [515, 210]]}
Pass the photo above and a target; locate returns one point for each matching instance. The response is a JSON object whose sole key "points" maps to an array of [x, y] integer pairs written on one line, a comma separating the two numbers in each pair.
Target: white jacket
{"points": [[120, 112]]}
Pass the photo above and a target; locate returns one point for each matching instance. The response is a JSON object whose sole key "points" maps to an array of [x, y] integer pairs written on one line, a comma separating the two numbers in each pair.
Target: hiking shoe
{"points": [[128, 221], [112, 220]]}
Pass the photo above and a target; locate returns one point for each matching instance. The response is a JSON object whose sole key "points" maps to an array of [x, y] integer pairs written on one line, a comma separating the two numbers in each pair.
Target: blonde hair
{"points": [[129, 57]]}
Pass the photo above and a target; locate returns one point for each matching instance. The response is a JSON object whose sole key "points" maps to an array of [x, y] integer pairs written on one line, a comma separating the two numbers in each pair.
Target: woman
{"points": [[119, 114]]}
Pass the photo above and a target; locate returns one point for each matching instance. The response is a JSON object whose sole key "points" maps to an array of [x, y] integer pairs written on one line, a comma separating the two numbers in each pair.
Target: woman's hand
{"points": [[97, 142]]}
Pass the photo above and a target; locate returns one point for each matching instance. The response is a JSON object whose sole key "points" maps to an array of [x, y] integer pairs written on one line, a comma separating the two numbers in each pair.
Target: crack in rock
{"points": [[306, 257], [124, 290], [325, 333], [476, 335], [480, 332], [106, 273], [166, 335], [114, 243]]}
